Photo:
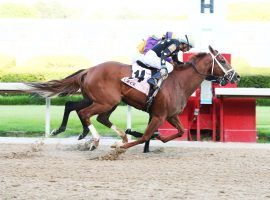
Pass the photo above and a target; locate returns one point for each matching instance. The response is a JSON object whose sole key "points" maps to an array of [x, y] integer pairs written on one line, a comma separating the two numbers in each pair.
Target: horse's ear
{"points": [[211, 49]]}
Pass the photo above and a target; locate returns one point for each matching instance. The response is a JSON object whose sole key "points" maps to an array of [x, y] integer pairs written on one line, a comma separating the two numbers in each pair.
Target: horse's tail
{"points": [[67, 86]]}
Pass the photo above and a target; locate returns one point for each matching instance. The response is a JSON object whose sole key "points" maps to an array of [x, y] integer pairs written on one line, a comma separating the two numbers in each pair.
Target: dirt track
{"points": [[57, 171]]}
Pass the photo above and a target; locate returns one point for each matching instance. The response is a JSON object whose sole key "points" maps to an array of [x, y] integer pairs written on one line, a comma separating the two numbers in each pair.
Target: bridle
{"points": [[222, 80], [228, 73]]}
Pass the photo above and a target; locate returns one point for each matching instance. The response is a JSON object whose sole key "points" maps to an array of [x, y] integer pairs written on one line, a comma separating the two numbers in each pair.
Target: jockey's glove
{"points": [[163, 66]]}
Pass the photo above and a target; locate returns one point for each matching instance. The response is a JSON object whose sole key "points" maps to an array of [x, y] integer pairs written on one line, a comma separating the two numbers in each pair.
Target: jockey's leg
{"points": [[85, 115], [104, 119], [157, 78], [178, 125], [69, 107]]}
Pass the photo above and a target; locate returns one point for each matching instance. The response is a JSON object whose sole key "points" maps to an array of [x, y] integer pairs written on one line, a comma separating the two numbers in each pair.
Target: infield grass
{"points": [[30, 121]]}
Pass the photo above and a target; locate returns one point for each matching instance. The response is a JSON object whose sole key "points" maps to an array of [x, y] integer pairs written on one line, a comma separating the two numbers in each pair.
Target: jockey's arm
{"points": [[175, 60], [167, 53]]}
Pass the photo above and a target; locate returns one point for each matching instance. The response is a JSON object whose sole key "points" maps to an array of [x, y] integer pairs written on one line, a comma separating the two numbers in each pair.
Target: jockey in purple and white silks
{"points": [[156, 57]]}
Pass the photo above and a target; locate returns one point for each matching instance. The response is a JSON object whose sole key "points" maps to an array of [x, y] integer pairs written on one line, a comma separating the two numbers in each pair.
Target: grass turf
{"points": [[29, 120]]}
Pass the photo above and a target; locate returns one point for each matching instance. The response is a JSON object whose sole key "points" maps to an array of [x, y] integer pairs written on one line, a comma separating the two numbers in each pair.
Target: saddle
{"points": [[141, 72]]}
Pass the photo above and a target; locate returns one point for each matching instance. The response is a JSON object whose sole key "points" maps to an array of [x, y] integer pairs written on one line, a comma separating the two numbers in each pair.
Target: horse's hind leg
{"points": [[69, 107], [104, 119], [85, 115], [178, 125]]}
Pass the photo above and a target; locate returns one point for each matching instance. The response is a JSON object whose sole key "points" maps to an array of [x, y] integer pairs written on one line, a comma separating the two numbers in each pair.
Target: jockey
{"points": [[156, 57]]}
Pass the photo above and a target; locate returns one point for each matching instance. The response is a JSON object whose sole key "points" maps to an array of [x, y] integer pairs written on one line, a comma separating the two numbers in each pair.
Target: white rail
{"points": [[6, 87], [21, 88], [243, 92]]}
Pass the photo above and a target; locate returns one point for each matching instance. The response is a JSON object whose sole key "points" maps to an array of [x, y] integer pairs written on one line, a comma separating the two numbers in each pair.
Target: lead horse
{"points": [[103, 88]]}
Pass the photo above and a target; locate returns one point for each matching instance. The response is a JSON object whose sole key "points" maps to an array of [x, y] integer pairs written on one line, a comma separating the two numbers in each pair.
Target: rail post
{"points": [[47, 117]]}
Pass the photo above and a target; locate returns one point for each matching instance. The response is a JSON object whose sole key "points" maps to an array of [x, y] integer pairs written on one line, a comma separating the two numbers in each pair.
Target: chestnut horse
{"points": [[103, 87]]}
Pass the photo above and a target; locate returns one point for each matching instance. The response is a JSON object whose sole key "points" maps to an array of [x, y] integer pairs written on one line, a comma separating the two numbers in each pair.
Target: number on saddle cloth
{"points": [[140, 74], [141, 71]]}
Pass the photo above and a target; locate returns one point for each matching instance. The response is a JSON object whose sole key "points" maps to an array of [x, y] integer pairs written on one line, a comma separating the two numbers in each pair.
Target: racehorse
{"points": [[103, 87], [101, 118]]}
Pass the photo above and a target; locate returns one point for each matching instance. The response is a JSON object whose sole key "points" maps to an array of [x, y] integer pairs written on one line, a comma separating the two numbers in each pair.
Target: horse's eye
{"points": [[223, 62]]}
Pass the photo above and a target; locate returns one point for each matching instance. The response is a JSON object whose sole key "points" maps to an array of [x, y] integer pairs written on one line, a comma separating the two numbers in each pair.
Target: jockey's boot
{"points": [[158, 78]]}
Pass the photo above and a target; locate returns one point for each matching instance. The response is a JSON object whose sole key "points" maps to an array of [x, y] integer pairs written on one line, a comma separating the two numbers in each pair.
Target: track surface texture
{"points": [[65, 169]]}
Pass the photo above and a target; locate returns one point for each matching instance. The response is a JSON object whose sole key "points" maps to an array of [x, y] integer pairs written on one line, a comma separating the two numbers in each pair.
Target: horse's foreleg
{"points": [[152, 126], [178, 125], [104, 119], [69, 107]]}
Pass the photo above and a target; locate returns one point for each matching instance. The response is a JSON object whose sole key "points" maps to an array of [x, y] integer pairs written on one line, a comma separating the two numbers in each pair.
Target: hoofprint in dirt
{"points": [[66, 171]]}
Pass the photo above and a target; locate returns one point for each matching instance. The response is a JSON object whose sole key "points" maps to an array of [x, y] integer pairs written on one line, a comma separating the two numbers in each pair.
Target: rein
{"points": [[209, 77]]}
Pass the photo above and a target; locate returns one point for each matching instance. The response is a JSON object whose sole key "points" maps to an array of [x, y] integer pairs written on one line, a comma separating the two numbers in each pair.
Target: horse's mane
{"points": [[191, 58], [197, 56]]}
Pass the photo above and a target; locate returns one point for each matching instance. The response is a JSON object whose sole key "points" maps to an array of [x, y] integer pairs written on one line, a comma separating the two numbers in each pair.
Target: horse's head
{"points": [[221, 71]]}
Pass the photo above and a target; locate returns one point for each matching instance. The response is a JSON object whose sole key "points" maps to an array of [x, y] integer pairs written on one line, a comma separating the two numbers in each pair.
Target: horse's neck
{"points": [[190, 80]]}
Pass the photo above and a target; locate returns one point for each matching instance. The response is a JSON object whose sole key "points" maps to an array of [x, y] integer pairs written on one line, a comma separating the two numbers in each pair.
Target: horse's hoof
{"points": [[57, 131], [125, 139], [117, 144], [92, 148], [53, 132], [94, 144], [83, 134]]}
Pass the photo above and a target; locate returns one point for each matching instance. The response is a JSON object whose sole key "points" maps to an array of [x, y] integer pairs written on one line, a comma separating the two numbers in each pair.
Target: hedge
{"points": [[22, 77], [26, 99], [257, 81]]}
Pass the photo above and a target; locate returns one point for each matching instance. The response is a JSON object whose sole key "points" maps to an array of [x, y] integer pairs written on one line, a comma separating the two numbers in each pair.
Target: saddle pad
{"points": [[142, 86], [139, 78]]}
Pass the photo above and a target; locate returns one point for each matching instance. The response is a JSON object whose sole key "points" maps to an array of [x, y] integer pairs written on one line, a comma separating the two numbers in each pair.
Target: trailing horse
{"points": [[102, 85]]}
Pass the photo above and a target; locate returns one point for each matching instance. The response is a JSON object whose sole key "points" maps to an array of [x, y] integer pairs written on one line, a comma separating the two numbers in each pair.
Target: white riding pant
{"points": [[151, 58]]}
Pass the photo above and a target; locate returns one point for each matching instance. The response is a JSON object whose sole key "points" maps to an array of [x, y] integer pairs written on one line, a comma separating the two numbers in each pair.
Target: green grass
{"points": [[30, 121], [263, 123]]}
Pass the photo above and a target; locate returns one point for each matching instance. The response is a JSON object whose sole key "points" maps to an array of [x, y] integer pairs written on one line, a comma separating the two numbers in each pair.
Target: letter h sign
{"points": [[209, 6]]}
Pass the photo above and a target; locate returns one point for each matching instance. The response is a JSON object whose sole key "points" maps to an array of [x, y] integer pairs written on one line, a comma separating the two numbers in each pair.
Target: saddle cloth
{"points": [[138, 79]]}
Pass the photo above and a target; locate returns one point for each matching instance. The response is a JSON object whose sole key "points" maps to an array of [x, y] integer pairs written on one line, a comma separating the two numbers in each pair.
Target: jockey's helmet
{"points": [[187, 41]]}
